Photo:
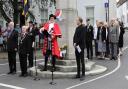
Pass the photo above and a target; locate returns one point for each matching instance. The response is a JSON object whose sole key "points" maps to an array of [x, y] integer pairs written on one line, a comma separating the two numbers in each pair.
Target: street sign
{"points": [[106, 5]]}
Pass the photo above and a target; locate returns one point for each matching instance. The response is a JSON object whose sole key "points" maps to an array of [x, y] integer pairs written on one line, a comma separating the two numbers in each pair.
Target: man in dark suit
{"points": [[12, 45], [79, 45], [114, 39], [89, 39], [31, 34], [24, 48]]}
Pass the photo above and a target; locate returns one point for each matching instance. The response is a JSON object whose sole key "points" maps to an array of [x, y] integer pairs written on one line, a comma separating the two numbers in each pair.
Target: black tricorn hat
{"points": [[51, 15], [31, 22]]}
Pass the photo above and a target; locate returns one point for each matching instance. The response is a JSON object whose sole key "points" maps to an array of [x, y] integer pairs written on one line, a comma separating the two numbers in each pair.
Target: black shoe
{"points": [[45, 69], [21, 75], [25, 75], [82, 78], [77, 76], [14, 72], [112, 58], [115, 58], [9, 72]]}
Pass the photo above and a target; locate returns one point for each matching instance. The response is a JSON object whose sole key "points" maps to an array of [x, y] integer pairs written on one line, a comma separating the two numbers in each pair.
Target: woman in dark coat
{"points": [[121, 37], [101, 38]]}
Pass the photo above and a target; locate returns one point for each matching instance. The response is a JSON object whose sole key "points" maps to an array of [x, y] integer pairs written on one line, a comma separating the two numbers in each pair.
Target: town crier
{"points": [[51, 32]]}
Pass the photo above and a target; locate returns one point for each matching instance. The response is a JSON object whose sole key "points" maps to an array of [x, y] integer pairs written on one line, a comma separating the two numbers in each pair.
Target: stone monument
{"points": [[68, 24]]}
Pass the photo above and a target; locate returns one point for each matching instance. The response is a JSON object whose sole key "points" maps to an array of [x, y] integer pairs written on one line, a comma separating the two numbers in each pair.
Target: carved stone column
{"points": [[68, 25]]}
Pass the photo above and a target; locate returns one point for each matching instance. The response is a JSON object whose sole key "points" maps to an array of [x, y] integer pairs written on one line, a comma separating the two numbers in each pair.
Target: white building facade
{"points": [[95, 9], [122, 12], [41, 9]]}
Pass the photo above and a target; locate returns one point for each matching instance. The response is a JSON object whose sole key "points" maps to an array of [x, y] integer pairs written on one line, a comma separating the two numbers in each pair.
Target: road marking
{"points": [[11, 86], [7, 74], [19, 62], [2, 75], [118, 66], [126, 75]]}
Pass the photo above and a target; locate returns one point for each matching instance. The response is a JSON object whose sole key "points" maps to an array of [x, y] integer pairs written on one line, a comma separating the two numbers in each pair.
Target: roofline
{"points": [[121, 2]]}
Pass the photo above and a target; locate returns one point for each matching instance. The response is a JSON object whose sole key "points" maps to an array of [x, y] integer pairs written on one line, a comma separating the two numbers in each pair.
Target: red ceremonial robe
{"points": [[55, 46]]}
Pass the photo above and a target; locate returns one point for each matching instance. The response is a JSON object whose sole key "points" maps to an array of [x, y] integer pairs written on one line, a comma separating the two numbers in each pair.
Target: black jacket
{"points": [[79, 36], [121, 36], [24, 45], [12, 41], [103, 33], [31, 36], [89, 33]]}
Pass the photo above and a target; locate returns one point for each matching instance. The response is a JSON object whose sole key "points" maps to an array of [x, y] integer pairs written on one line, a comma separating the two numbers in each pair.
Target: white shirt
{"points": [[119, 30], [106, 33], [95, 31], [30, 29], [51, 25]]}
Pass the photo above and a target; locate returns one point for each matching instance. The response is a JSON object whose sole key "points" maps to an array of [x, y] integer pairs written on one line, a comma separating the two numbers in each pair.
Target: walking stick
{"points": [[52, 65]]}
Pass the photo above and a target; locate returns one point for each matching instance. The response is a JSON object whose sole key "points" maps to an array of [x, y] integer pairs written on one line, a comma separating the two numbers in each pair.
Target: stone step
{"points": [[47, 74], [67, 62], [72, 68]]}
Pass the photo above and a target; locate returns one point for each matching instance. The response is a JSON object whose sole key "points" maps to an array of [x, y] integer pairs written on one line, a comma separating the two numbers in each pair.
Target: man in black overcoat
{"points": [[89, 39], [79, 45], [12, 46]]}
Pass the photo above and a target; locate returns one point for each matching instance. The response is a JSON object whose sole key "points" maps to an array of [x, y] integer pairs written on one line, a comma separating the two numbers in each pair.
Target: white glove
{"points": [[41, 30]]}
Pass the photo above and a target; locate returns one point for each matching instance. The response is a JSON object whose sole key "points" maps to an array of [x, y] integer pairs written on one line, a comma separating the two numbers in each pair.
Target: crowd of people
{"points": [[26, 45], [107, 39]]}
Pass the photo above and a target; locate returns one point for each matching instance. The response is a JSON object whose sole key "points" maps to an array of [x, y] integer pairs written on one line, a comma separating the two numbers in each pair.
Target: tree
{"points": [[10, 9]]}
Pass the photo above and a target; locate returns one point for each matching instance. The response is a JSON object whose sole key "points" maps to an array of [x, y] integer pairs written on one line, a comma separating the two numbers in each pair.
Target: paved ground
{"points": [[108, 80]]}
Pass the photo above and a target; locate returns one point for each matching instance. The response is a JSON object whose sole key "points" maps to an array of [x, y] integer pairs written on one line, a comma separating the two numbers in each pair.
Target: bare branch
{"points": [[3, 13]]}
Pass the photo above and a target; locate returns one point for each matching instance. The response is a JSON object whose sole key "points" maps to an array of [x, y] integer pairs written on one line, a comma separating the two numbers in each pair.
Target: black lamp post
{"points": [[108, 10]]}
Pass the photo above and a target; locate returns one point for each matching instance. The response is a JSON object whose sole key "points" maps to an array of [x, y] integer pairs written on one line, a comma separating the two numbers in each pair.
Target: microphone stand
{"points": [[52, 70], [52, 80], [36, 78]]}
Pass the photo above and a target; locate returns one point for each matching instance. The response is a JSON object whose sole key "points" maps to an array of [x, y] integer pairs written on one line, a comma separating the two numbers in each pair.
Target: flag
{"points": [[25, 7], [58, 14]]}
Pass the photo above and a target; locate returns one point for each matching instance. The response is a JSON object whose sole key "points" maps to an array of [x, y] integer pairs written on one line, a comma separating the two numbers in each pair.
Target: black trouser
{"points": [[80, 61], [12, 60], [23, 63], [107, 49], [48, 53], [96, 48], [114, 50], [89, 49], [30, 58]]}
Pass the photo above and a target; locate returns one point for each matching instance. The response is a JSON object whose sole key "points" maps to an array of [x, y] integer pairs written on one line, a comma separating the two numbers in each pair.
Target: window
{"points": [[90, 14], [44, 15]]}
